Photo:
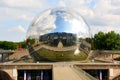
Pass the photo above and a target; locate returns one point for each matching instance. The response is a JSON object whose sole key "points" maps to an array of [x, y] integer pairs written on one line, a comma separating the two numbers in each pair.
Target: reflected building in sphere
{"points": [[59, 34]]}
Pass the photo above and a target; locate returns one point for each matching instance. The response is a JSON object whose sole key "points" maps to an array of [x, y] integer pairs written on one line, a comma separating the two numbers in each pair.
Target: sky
{"points": [[17, 15]]}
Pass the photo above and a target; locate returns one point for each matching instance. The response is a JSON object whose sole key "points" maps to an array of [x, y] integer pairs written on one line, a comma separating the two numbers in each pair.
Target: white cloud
{"points": [[96, 29], [21, 9], [44, 23], [19, 12], [81, 6], [105, 13], [33, 4], [99, 14], [15, 34], [15, 14], [61, 3], [19, 29]]}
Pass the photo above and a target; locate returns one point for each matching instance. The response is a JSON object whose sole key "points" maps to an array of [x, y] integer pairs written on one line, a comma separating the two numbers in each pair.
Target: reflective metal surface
{"points": [[59, 34]]}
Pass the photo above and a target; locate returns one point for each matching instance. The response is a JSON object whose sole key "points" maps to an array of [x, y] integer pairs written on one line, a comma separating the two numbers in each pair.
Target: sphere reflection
{"points": [[58, 34]]}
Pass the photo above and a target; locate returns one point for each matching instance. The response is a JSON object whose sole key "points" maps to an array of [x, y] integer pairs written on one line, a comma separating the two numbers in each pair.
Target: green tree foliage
{"points": [[11, 45], [31, 41], [8, 45], [107, 41], [22, 44], [98, 40]]}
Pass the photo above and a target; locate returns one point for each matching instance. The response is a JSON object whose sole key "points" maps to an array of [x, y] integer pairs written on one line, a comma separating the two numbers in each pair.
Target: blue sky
{"points": [[17, 15], [60, 22]]}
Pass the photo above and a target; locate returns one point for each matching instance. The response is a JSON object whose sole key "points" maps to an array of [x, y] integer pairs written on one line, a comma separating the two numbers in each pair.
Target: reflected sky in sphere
{"points": [[58, 20], [62, 25]]}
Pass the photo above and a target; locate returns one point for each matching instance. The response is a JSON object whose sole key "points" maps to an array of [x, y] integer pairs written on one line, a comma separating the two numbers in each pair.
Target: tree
{"points": [[11, 45], [8, 45], [117, 42], [107, 41], [99, 40], [110, 40], [23, 44]]}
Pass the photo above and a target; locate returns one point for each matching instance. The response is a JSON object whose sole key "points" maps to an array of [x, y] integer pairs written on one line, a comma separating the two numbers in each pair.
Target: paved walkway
{"points": [[68, 72]]}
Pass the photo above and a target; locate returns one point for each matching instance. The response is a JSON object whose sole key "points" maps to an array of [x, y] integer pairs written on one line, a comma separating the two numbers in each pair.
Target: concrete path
{"points": [[65, 72]]}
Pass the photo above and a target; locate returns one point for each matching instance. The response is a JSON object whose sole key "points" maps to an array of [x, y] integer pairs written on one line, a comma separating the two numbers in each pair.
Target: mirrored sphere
{"points": [[59, 34]]}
